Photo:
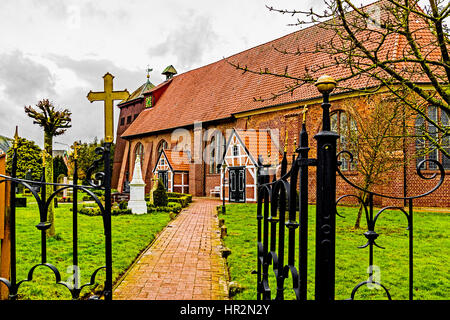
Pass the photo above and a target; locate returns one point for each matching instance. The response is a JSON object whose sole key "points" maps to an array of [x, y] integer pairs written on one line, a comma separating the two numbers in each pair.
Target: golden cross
{"points": [[305, 109], [108, 96], [75, 148]]}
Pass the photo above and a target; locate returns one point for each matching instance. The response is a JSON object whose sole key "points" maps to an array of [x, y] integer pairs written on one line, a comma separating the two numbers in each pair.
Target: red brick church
{"points": [[185, 126]]}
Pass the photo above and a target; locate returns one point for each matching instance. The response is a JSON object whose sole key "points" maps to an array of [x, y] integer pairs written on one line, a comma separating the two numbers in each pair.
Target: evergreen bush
{"points": [[160, 198], [96, 211], [123, 204], [184, 200]]}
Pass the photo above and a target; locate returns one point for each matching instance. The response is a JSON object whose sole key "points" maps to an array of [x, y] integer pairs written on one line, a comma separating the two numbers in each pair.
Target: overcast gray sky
{"points": [[60, 49]]}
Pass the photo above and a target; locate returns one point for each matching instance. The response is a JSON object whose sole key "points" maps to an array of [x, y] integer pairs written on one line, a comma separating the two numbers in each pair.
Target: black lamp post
{"points": [[325, 197], [224, 167]]}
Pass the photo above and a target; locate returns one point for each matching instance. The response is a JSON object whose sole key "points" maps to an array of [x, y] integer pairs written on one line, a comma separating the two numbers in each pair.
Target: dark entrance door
{"points": [[164, 178], [237, 184]]}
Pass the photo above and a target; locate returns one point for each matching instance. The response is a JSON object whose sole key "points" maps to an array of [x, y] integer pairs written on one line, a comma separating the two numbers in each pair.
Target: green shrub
{"points": [[175, 206], [171, 207], [160, 195], [184, 199], [180, 195], [98, 192], [123, 204], [175, 194], [116, 212], [89, 211]]}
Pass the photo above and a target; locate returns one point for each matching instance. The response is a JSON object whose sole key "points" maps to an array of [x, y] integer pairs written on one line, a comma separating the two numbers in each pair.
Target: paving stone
{"points": [[185, 261]]}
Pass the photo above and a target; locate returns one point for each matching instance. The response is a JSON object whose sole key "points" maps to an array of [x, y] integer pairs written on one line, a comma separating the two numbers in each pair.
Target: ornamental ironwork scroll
{"points": [[371, 219], [43, 202], [282, 207]]}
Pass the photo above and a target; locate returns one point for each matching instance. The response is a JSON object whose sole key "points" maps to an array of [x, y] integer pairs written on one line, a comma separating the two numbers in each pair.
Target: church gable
{"points": [[236, 153], [245, 147], [172, 168], [242, 150], [162, 164]]}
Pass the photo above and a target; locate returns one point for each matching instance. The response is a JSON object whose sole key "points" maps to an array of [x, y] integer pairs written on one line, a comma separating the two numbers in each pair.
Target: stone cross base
{"points": [[137, 206]]}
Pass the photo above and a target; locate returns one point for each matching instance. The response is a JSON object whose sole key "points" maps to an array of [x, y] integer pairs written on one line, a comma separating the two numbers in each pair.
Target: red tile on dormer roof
{"points": [[218, 90]]}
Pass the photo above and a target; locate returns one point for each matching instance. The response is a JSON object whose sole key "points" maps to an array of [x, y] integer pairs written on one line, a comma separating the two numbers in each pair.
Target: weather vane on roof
{"points": [[148, 71]]}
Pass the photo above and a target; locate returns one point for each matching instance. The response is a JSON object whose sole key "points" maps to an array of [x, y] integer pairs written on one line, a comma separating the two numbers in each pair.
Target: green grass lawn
{"points": [[130, 235], [431, 254]]}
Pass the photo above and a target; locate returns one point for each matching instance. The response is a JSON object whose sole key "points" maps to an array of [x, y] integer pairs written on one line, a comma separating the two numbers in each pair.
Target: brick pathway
{"points": [[183, 263]]}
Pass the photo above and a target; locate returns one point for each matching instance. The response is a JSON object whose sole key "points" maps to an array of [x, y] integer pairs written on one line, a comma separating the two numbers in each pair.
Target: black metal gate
{"points": [[101, 182], [278, 197]]}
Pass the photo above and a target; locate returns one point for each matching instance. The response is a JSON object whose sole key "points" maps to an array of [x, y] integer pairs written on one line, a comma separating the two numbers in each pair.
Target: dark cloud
{"points": [[24, 82], [92, 71], [23, 79], [189, 42]]}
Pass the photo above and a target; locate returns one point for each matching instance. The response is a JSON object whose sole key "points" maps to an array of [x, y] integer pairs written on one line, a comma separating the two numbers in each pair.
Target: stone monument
{"points": [[137, 202]]}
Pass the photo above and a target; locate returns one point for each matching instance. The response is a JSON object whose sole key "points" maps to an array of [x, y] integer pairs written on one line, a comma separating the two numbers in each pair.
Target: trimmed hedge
{"points": [[96, 211], [180, 195], [171, 207], [181, 198], [176, 207]]}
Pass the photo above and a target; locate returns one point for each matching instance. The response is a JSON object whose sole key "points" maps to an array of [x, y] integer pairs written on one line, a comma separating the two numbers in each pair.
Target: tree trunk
{"points": [[361, 208], [48, 146]]}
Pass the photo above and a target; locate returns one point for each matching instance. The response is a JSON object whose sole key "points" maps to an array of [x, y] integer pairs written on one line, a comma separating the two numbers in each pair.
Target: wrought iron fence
{"points": [[278, 209], [101, 181]]}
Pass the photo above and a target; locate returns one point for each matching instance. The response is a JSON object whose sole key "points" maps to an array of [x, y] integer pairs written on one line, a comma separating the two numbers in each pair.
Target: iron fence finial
{"points": [[16, 138]]}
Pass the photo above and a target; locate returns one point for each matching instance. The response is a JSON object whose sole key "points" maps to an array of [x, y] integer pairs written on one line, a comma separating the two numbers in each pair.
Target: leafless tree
{"points": [[389, 45]]}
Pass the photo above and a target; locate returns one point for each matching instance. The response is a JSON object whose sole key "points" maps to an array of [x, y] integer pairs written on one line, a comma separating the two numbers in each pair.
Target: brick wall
{"points": [[393, 186], [201, 181]]}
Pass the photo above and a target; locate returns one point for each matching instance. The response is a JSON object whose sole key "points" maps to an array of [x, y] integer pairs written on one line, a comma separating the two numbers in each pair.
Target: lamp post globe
{"points": [[325, 84]]}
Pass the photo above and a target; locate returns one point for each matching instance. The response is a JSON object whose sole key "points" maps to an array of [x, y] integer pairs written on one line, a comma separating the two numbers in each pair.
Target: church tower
{"points": [[130, 108]]}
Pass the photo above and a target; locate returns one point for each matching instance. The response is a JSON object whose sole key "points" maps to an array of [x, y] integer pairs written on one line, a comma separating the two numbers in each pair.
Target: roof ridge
{"points": [[217, 92], [268, 42]]}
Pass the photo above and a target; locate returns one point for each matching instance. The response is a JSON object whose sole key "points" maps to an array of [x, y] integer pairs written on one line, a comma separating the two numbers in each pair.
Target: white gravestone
{"points": [[137, 202]]}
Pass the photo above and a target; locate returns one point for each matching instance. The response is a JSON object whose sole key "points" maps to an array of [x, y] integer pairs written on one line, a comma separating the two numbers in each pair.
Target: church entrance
{"points": [[163, 176], [237, 184]]}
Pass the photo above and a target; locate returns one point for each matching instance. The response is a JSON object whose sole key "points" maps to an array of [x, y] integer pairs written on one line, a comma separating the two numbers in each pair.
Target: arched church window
{"points": [[216, 148], [139, 152], [426, 148], [162, 145], [345, 126], [212, 156]]}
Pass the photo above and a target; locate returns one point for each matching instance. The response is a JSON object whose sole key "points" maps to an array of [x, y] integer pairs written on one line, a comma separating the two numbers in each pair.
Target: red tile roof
{"points": [[218, 90], [178, 160], [261, 143]]}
